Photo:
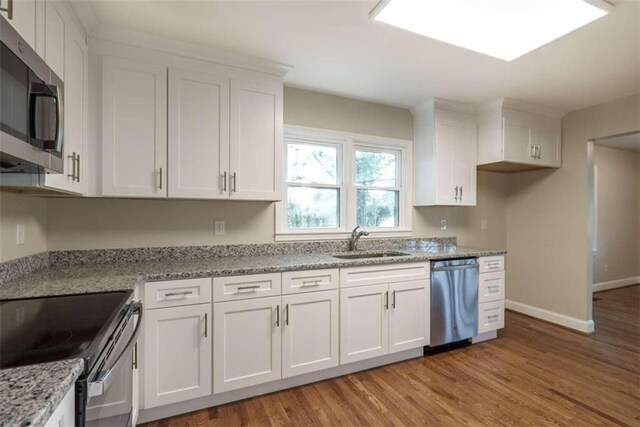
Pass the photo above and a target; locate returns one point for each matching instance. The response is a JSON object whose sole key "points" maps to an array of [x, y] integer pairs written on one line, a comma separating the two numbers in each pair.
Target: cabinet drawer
{"points": [[383, 274], [174, 293], [490, 316], [491, 286], [294, 282], [491, 263], [242, 287]]}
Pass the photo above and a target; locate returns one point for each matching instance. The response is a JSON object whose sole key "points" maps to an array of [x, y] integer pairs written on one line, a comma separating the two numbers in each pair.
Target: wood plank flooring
{"points": [[534, 374]]}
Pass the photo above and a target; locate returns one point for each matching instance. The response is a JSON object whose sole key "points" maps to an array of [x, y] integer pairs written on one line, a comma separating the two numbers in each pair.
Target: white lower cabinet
{"points": [[364, 324], [177, 354], [309, 332], [379, 319], [408, 316], [64, 414], [247, 343]]}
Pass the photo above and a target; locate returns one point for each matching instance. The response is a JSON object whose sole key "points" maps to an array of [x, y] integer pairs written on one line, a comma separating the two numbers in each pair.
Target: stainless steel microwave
{"points": [[31, 108]]}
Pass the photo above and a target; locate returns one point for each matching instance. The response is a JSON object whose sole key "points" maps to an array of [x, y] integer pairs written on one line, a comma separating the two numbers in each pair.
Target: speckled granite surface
{"points": [[65, 280], [33, 392], [30, 394]]}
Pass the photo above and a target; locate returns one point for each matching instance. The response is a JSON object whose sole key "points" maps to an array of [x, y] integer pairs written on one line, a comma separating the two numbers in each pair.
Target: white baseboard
{"points": [[613, 284], [586, 326]]}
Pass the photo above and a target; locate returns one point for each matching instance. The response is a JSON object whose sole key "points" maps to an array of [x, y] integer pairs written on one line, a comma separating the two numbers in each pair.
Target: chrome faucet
{"points": [[355, 236]]}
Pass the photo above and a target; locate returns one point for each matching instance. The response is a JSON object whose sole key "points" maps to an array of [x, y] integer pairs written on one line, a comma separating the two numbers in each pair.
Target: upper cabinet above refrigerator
{"points": [[514, 135]]}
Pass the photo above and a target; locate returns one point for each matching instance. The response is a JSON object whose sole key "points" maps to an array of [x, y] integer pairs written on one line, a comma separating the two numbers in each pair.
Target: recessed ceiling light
{"points": [[505, 29]]}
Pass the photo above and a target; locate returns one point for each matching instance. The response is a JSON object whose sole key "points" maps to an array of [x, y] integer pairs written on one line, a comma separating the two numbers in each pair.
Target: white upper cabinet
{"points": [[23, 18], [134, 128], [55, 40], [445, 144], [256, 140], [73, 178], [514, 135], [198, 135]]}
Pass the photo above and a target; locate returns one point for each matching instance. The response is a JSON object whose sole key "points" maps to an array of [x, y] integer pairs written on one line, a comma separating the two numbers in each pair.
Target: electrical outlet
{"points": [[443, 224], [606, 267], [484, 224], [20, 234], [218, 227]]}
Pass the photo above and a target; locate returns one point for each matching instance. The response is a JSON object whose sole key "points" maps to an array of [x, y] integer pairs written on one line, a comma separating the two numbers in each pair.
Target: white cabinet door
{"points": [[364, 325], [517, 139], [198, 135], [73, 178], [408, 315], [548, 141], [23, 19], [256, 140], [247, 343], [55, 28], [134, 128], [445, 129], [177, 354], [464, 162], [64, 414], [309, 332]]}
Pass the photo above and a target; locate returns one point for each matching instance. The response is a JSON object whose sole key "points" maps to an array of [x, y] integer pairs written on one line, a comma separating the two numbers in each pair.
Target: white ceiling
{"points": [[335, 48], [628, 142]]}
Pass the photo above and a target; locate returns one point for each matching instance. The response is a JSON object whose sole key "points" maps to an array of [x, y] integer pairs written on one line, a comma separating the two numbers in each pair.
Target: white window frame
{"points": [[347, 144]]}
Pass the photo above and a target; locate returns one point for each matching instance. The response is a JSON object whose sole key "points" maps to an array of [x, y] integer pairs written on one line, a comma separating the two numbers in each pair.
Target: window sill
{"points": [[340, 235]]}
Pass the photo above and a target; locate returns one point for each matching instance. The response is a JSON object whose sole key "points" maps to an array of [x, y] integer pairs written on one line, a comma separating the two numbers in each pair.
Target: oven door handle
{"points": [[100, 386]]}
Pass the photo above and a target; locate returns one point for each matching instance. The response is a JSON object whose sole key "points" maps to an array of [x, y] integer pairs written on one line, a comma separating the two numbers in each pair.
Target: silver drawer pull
{"points": [[175, 294], [496, 287], [493, 316], [493, 265], [311, 284], [244, 288]]}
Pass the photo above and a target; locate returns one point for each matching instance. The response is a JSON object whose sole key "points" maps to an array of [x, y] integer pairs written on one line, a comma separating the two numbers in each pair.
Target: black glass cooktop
{"points": [[38, 330]]}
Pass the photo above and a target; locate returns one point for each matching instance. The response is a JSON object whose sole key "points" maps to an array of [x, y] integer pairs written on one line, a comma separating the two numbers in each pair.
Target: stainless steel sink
{"points": [[365, 255]]}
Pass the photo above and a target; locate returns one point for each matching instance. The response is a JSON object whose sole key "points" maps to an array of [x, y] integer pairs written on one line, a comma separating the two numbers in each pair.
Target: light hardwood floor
{"points": [[534, 374]]}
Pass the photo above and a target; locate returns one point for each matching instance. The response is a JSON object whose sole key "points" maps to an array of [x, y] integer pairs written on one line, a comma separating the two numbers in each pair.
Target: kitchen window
{"points": [[335, 181]]}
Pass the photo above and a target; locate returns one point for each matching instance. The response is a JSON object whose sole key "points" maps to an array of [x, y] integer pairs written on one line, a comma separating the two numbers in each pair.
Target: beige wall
{"points": [[21, 209], [548, 264], [111, 223], [618, 215]]}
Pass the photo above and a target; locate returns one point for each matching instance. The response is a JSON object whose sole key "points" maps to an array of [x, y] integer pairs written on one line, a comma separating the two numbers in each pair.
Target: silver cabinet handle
{"points": [[386, 300], [73, 166], [286, 312], [224, 182], [456, 192], [244, 288], [460, 193], [532, 151], [493, 316], [539, 152], [311, 284], [206, 325], [173, 294], [78, 171], [393, 299], [160, 178], [234, 179], [278, 315], [8, 9], [134, 362]]}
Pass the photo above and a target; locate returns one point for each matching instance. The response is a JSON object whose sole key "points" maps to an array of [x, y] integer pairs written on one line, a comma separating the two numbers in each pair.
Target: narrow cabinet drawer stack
{"points": [[491, 295]]}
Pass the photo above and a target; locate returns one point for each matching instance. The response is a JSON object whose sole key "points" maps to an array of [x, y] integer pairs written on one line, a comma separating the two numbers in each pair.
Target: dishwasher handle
{"points": [[456, 267]]}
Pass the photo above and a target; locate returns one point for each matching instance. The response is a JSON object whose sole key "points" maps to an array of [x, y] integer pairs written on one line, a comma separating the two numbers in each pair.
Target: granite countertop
{"points": [[30, 394], [89, 278]]}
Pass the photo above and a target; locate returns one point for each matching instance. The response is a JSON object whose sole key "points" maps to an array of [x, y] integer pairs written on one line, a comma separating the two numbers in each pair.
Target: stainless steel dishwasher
{"points": [[454, 300]]}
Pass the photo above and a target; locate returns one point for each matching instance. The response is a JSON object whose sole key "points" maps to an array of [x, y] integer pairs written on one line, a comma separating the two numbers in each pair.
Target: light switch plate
{"points": [[443, 224], [20, 234], [484, 224], [218, 227]]}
